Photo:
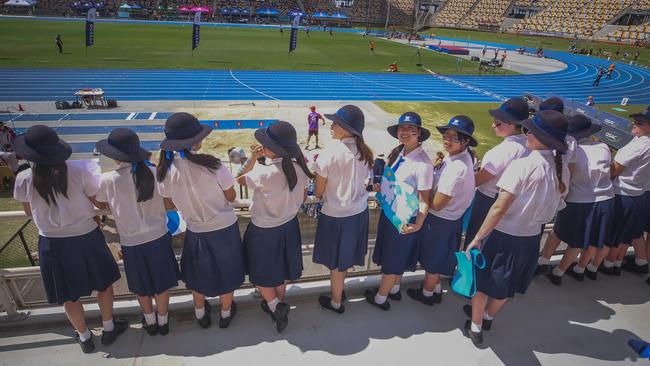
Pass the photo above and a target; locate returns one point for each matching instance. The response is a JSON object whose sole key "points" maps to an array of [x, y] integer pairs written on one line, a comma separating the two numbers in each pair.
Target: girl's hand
{"points": [[410, 228], [257, 151], [473, 244], [376, 187]]}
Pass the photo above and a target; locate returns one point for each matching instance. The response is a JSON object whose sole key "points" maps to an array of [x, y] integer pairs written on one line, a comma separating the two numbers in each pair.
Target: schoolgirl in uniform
{"points": [[507, 125], [342, 172], [440, 236], [585, 223], [530, 192], [630, 173], [74, 258], [397, 251], [201, 188], [272, 238], [140, 216]]}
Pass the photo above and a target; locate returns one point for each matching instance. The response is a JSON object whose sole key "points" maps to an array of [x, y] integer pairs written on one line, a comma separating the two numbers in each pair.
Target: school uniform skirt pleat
{"points": [[273, 255], [647, 212], [341, 242], [394, 252], [510, 264], [438, 241], [74, 267], [480, 208], [581, 225], [629, 216], [151, 268], [213, 262]]}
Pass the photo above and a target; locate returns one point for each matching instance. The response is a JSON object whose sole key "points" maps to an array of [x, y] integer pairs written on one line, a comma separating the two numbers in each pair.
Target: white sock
{"points": [[163, 319], [591, 268], [335, 305], [486, 316], [225, 313], [150, 318], [578, 269], [426, 293], [394, 289], [108, 325], [475, 328], [543, 261], [199, 313], [437, 289], [85, 335], [557, 272], [640, 262], [608, 264], [273, 304], [618, 263], [379, 299]]}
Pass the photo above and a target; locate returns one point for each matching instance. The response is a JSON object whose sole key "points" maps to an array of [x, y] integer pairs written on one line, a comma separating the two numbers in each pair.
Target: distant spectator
{"points": [[372, 47], [7, 154], [636, 55], [612, 66], [393, 67], [601, 71], [617, 52], [590, 101], [483, 51], [59, 42]]}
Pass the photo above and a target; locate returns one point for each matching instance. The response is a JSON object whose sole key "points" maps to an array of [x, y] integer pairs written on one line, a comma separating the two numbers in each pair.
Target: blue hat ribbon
{"points": [[557, 134], [517, 114]]}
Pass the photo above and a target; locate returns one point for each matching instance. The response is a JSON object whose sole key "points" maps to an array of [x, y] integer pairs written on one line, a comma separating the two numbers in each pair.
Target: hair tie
{"points": [[148, 163], [169, 155], [182, 154], [134, 167]]}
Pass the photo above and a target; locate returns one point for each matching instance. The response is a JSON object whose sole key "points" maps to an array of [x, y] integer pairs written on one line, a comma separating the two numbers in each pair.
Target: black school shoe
{"points": [[370, 298], [396, 296], [648, 281], [487, 324], [591, 275], [152, 329], [556, 280], [225, 322], [163, 330], [542, 269], [120, 325], [281, 316], [417, 295], [617, 271], [206, 321], [476, 337], [265, 308], [631, 266], [575, 275], [607, 271], [87, 346], [326, 303]]}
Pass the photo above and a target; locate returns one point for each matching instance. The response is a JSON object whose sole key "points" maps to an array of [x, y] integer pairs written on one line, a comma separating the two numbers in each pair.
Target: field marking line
{"points": [[429, 96], [152, 116], [64, 116], [131, 116], [251, 88], [468, 86]]}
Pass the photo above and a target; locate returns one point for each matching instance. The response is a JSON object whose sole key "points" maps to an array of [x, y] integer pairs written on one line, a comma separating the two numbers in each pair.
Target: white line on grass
{"points": [[251, 88]]}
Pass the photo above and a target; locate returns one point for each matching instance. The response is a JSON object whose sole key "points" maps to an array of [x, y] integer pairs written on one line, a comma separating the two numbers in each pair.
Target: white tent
{"points": [[20, 3]]}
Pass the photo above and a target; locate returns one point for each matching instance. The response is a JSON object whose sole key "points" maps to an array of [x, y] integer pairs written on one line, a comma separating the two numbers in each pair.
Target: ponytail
{"points": [[50, 180], [144, 181], [290, 171], [394, 154], [164, 163], [558, 171], [364, 152], [205, 160]]}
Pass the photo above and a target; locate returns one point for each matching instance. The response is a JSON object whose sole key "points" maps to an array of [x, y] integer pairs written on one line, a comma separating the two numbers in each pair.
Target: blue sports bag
{"points": [[464, 281]]}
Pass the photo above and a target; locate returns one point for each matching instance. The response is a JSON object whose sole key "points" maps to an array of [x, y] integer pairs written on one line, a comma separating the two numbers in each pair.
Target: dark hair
{"points": [[144, 182], [364, 152], [50, 180], [558, 171], [290, 171], [394, 154], [472, 154], [204, 160]]}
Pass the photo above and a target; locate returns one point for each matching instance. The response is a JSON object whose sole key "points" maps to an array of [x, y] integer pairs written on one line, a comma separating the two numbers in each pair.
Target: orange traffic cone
{"points": [[20, 107]]}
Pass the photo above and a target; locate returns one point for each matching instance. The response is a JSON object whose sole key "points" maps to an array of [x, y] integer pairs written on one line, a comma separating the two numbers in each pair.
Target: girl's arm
{"points": [[27, 208], [99, 205], [616, 169], [482, 176], [230, 194], [440, 201], [321, 183], [169, 204], [423, 210], [256, 153], [496, 213]]}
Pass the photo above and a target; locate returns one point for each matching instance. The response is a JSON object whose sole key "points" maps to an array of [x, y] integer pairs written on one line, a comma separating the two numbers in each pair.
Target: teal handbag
{"points": [[464, 281]]}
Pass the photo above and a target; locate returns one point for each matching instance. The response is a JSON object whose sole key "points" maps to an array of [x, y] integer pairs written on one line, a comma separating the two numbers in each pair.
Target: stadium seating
{"points": [[313, 6], [453, 12], [642, 5], [631, 33], [486, 12]]}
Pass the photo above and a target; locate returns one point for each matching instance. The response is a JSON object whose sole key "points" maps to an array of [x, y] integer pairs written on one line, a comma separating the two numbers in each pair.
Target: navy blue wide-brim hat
{"points": [[550, 128], [123, 145], [512, 111], [581, 126], [281, 138], [411, 119], [643, 117], [461, 124], [552, 103], [182, 130], [41, 145], [350, 118]]}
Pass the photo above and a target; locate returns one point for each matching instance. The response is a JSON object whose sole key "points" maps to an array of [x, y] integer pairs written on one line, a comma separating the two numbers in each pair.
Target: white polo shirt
{"points": [[499, 157], [635, 157], [457, 181], [591, 181], [416, 169], [345, 192], [137, 222], [198, 194], [71, 216], [569, 156], [272, 203], [533, 182]]}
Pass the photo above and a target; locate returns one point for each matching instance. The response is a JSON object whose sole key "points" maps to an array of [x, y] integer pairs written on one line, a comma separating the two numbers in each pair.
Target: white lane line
{"points": [[61, 119], [251, 88], [131, 116], [468, 86], [153, 116]]}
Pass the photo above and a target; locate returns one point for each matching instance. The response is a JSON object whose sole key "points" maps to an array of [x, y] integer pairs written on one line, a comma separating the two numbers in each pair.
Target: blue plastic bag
{"points": [[464, 281]]}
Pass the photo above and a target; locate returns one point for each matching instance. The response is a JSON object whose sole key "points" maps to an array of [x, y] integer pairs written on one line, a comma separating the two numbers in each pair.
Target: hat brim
{"points": [[344, 124], [424, 135], [544, 137], [182, 144], [59, 156], [641, 117], [504, 116], [586, 132], [286, 152], [472, 140], [112, 152]]}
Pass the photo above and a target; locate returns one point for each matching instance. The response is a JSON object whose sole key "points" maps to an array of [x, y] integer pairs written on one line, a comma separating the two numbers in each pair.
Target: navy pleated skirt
{"points": [[151, 268], [583, 224], [438, 241], [481, 206], [394, 252], [629, 219], [274, 255], [213, 262], [510, 264], [341, 242], [647, 204], [76, 266]]}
